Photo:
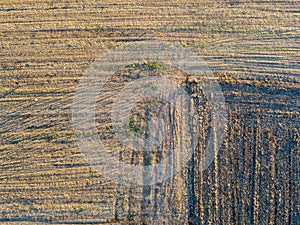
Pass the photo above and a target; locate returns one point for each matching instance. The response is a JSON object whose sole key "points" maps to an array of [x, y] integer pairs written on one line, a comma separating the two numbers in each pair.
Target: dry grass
{"points": [[252, 48]]}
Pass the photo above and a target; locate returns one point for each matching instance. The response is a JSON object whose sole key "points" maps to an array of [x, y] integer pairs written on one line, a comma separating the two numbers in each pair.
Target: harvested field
{"points": [[253, 51]]}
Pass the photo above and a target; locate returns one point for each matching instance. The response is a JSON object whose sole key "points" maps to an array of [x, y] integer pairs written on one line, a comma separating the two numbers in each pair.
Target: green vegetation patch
{"points": [[147, 65]]}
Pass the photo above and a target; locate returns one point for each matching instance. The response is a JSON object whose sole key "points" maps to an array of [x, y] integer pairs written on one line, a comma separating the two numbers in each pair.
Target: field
{"points": [[253, 51]]}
